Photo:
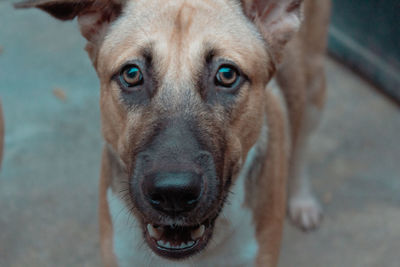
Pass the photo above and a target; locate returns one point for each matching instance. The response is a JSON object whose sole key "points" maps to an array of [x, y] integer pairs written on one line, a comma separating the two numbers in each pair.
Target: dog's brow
{"points": [[209, 53], [147, 53], [143, 51]]}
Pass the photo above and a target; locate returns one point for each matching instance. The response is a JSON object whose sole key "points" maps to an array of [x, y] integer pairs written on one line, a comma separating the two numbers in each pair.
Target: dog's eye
{"points": [[131, 76], [226, 76]]}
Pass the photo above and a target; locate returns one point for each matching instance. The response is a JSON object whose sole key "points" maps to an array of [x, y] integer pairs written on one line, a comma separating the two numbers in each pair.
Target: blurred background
{"points": [[48, 183]]}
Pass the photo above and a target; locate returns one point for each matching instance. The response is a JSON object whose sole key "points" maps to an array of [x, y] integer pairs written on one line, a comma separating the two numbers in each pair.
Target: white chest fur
{"points": [[233, 242]]}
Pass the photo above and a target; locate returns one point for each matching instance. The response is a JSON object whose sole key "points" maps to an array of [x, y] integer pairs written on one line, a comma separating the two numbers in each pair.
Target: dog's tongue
{"points": [[176, 234]]}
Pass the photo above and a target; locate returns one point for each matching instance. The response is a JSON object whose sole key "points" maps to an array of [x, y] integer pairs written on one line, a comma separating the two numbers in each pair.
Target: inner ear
{"points": [[62, 9], [65, 11]]}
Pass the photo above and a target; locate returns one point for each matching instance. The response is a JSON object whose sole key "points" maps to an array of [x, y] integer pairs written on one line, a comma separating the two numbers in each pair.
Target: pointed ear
{"points": [[94, 16], [60, 9], [277, 20]]}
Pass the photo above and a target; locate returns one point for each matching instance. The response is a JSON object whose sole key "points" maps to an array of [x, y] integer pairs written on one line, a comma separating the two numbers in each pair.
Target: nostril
{"points": [[192, 201], [155, 199], [192, 195]]}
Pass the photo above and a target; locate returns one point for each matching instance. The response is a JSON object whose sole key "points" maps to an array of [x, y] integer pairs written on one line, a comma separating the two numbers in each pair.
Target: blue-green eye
{"points": [[226, 76], [131, 76]]}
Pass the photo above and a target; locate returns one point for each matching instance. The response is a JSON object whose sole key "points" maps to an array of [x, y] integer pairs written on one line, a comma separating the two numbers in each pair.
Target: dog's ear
{"points": [[277, 20], [94, 16]]}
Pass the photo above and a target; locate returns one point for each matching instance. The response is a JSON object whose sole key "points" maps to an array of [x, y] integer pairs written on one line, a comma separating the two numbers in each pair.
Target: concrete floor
{"points": [[48, 185]]}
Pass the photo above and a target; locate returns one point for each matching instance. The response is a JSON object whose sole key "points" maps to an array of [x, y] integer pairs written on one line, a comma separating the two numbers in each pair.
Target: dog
{"points": [[198, 149]]}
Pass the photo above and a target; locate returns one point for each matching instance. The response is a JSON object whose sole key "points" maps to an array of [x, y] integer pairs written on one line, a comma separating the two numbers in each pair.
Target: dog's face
{"points": [[182, 101]]}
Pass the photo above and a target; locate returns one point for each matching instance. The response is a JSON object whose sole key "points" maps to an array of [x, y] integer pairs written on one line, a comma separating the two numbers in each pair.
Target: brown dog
{"points": [[197, 149]]}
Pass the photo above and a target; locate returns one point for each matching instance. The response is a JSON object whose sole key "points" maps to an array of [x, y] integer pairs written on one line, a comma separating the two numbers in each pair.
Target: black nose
{"points": [[173, 192]]}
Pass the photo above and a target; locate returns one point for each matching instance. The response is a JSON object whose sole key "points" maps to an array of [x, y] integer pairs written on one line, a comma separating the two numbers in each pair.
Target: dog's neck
{"points": [[234, 229]]}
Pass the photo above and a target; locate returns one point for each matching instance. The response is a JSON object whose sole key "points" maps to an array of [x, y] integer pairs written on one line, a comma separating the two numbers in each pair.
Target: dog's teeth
{"points": [[154, 232], [187, 244], [199, 232], [182, 245], [163, 244]]}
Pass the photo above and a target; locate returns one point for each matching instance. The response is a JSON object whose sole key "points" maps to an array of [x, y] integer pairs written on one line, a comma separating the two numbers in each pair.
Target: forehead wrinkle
{"points": [[184, 19], [179, 38]]}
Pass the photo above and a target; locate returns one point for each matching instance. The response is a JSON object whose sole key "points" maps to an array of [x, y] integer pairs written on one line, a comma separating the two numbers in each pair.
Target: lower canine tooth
{"points": [[196, 234], [153, 232]]}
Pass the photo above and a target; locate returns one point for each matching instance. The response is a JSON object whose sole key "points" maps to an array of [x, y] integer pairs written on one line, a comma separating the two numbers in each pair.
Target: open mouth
{"points": [[177, 242]]}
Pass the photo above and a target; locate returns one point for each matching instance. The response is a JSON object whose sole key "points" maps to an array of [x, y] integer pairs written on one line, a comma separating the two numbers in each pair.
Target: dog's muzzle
{"points": [[176, 190], [178, 203]]}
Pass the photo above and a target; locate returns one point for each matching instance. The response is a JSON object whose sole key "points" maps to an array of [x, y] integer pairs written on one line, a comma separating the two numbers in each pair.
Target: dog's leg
{"points": [[105, 224], [303, 207], [302, 80]]}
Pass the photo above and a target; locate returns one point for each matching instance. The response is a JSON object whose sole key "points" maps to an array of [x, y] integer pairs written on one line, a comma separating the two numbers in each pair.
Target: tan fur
{"points": [[270, 187], [251, 33], [301, 73], [302, 80], [105, 225]]}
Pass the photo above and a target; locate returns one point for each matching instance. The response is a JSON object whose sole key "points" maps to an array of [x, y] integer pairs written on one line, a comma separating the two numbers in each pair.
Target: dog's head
{"points": [[182, 89]]}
